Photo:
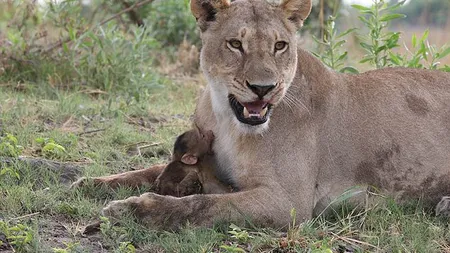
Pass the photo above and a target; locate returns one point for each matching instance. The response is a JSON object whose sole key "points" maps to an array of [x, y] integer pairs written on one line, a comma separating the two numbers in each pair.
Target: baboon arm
{"points": [[189, 179], [136, 178], [189, 185]]}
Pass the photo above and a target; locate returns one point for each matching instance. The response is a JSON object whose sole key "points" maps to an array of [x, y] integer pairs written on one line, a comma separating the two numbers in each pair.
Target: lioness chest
{"points": [[282, 156]]}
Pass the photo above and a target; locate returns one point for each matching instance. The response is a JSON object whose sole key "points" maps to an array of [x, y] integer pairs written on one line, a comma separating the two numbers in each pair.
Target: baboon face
{"points": [[180, 177], [192, 145]]}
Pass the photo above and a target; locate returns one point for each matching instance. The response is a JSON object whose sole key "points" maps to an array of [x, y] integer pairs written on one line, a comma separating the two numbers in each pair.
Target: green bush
{"points": [[379, 45], [110, 60], [9, 146], [20, 236], [83, 54], [170, 22]]}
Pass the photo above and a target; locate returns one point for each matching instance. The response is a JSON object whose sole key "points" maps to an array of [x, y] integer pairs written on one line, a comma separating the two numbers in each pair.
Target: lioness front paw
{"points": [[155, 211], [443, 207], [118, 208]]}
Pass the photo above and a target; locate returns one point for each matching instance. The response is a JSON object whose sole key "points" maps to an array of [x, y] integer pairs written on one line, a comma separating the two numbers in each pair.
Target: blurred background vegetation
{"points": [[124, 45]]}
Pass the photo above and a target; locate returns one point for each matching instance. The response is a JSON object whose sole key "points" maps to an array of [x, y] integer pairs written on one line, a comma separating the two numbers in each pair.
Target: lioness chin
{"points": [[328, 131]]}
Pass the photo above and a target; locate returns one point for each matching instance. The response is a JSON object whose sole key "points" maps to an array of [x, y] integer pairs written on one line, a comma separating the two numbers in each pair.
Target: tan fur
{"points": [[143, 177], [388, 128]]}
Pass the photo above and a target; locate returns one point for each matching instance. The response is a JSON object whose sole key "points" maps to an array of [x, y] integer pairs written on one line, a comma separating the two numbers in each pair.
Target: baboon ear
{"points": [[205, 10], [189, 159], [297, 10]]}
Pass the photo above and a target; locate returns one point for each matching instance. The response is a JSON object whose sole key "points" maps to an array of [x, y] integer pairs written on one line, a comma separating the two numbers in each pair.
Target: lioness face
{"points": [[249, 55]]}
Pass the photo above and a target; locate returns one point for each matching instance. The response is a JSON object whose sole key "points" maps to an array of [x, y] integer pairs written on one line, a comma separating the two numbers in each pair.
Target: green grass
{"points": [[56, 107], [39, 213]]}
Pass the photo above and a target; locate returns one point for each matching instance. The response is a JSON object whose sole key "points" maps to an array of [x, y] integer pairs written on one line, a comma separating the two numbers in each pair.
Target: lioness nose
{"points": [[260, 90]]}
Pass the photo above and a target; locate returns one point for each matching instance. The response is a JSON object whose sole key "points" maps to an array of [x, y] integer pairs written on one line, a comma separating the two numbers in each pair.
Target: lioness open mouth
{"points": [[251, 113]]}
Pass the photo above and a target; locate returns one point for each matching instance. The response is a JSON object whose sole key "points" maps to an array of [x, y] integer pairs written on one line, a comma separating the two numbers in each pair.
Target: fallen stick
{"points": [[25, 216], [92, 131]]}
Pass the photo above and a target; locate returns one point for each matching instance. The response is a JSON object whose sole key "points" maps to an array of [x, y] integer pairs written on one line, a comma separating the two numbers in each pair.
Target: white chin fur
{"points": [[249, 129]]}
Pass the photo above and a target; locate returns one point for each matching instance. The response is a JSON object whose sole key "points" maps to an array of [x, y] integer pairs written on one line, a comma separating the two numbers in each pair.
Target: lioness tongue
{"points": [[255, 109]]}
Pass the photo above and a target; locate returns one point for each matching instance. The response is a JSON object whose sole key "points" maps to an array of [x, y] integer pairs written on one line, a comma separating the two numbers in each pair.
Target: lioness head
{"points": [[249, 55]]}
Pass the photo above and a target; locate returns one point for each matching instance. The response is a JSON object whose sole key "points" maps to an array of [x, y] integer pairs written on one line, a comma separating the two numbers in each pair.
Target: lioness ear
{"points": [[189, 159], [297, 10], [205, 10]]}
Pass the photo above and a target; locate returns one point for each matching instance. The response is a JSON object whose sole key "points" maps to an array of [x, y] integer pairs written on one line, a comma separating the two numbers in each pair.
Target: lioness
{"points": [[291, 133]]}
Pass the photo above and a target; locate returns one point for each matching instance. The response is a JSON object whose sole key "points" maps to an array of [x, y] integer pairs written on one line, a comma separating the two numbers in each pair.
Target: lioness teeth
{"points": [[263, 112], [246, 113]]}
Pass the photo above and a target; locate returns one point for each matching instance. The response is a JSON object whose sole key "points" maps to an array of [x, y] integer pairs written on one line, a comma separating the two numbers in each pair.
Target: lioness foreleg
{"points": [[136, 178], [262, 206]]}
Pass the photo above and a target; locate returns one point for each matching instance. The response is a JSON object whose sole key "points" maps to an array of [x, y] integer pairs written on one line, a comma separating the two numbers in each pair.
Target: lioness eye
{"points": [[235, 44], [280, 45]]}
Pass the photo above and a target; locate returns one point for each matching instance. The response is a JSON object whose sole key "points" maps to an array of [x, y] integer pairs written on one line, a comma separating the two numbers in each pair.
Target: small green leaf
{"points": [[396, 6], [40, 140], [65, 48], [234, 227], [444, 53], [366, 59], [395, 59], [345, 33], [366, 46], [425, 35], [316, 54], [349, 69], [446, 68], [360, 7], [389, 17], [339, 44], [364, 20], [342, 57], [232, 249], [414, 40]]}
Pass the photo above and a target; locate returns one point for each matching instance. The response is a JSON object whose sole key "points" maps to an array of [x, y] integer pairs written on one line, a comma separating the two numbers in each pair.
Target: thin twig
{"points": [[132, 7], [93, 91], [136, 148], [92, 131], [134, 16], [66, 40], [354, 241], [137, 144], [68, 121], [150, 145], [139, 148], [25, 216]]}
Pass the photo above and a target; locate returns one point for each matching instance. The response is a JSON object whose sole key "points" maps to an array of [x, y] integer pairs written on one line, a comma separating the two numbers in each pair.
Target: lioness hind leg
{"points": [[136, 178], [443, 207]]}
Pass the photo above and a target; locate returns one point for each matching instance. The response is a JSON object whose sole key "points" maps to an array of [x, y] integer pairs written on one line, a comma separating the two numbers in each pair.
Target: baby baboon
{"points": [[191, 170]]}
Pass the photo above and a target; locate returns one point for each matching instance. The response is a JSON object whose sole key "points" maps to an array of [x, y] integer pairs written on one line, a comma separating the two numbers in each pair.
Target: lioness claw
{"points": [[79, 183], [443, 207]]}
